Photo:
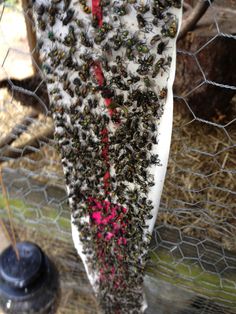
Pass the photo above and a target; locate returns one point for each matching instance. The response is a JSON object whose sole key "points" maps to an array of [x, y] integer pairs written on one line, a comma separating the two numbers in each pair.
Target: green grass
{"points": [[52, 224], [193, 277], [47, 220]]}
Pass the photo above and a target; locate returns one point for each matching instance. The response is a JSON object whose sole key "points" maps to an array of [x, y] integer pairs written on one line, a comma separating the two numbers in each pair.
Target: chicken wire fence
{"points": [[194, 242]]}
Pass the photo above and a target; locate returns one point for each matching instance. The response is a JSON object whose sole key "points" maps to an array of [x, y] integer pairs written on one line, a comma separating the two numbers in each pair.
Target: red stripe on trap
{"points": [[104, 214], [105, 138], [100, 79], [111, 224], [97, 11]]}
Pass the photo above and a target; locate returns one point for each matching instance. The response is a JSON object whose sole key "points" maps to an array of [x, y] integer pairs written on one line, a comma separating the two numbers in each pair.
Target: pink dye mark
{"points": [[109, 236], [105, 139], [100, 79], [122, 241], [97, 11], [104, 214], [97, 217]]}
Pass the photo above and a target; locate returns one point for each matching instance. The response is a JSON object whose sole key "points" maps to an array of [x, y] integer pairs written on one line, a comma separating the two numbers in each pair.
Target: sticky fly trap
{"points": [[110, 67]]}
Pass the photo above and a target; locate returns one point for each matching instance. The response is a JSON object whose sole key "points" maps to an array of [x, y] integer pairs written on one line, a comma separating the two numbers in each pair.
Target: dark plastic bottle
{"points": [[30, 284]]}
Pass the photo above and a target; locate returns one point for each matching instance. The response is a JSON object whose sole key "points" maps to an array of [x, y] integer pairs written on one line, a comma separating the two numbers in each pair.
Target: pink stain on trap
{"points": [[103, 214], [109, 219], [111, 227]]}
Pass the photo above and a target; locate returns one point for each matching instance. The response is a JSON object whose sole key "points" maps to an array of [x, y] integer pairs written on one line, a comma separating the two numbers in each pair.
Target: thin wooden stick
{"points": [[18, 129], [10, 216], [31, 35], [192, 19], [5, 232]]}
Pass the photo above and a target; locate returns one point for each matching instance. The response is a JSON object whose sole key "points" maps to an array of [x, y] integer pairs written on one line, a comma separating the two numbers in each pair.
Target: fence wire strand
{"points": [[194, 242]]}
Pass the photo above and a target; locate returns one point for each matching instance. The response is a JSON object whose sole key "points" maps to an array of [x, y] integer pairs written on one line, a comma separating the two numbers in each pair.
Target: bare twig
{"points": [[18, 129], [187, 7], [31, 35], [10, 216], [27, 148], [196, 14]]}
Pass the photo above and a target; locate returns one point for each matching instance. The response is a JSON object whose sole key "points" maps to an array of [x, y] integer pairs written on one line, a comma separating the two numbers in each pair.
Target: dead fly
{"points": [[158, 10], [83, 74], [79, 23], [107, 48], [68, 62], [82, 90], [163, 93], [121, 67], [56, 56], [161, 47], [41, 23], [77, 81], [117, 102], [119, 83], [143, 8], [129, 54], [68, 90], [105, 28], [118, 41], [125, 34], [107, 93], [142, 48], [130, 42], [95, 21], [86, 9], [133, 80], [147, 60], [104, 3], [52, 11], [147, 81], [176, 3], [120, 10], [169, 29], [155, 39], [69, 16], [70, 39], [154, 159], [40, 10], [141, 21], [54, 91], [158, 66], [66, 4], [102, 32], [145, 64], [85, 40]]}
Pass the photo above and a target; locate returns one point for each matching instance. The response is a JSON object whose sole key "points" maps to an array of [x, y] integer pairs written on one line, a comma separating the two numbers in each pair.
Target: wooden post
{"points": [[31, 35], [202, 52]]}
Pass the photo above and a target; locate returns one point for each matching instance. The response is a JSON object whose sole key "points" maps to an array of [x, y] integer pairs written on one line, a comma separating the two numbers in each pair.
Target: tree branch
{"points": [[193, 18], [27, 148], [31, 34], [187, 7], [18, 129]]}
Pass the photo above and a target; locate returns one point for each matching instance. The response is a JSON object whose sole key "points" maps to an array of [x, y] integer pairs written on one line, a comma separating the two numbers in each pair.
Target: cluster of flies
{"points": [[136, 104]]}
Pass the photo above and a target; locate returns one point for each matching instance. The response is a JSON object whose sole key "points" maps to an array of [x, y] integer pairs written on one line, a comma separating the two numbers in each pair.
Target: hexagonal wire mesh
{"points": [[193, 250]]}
